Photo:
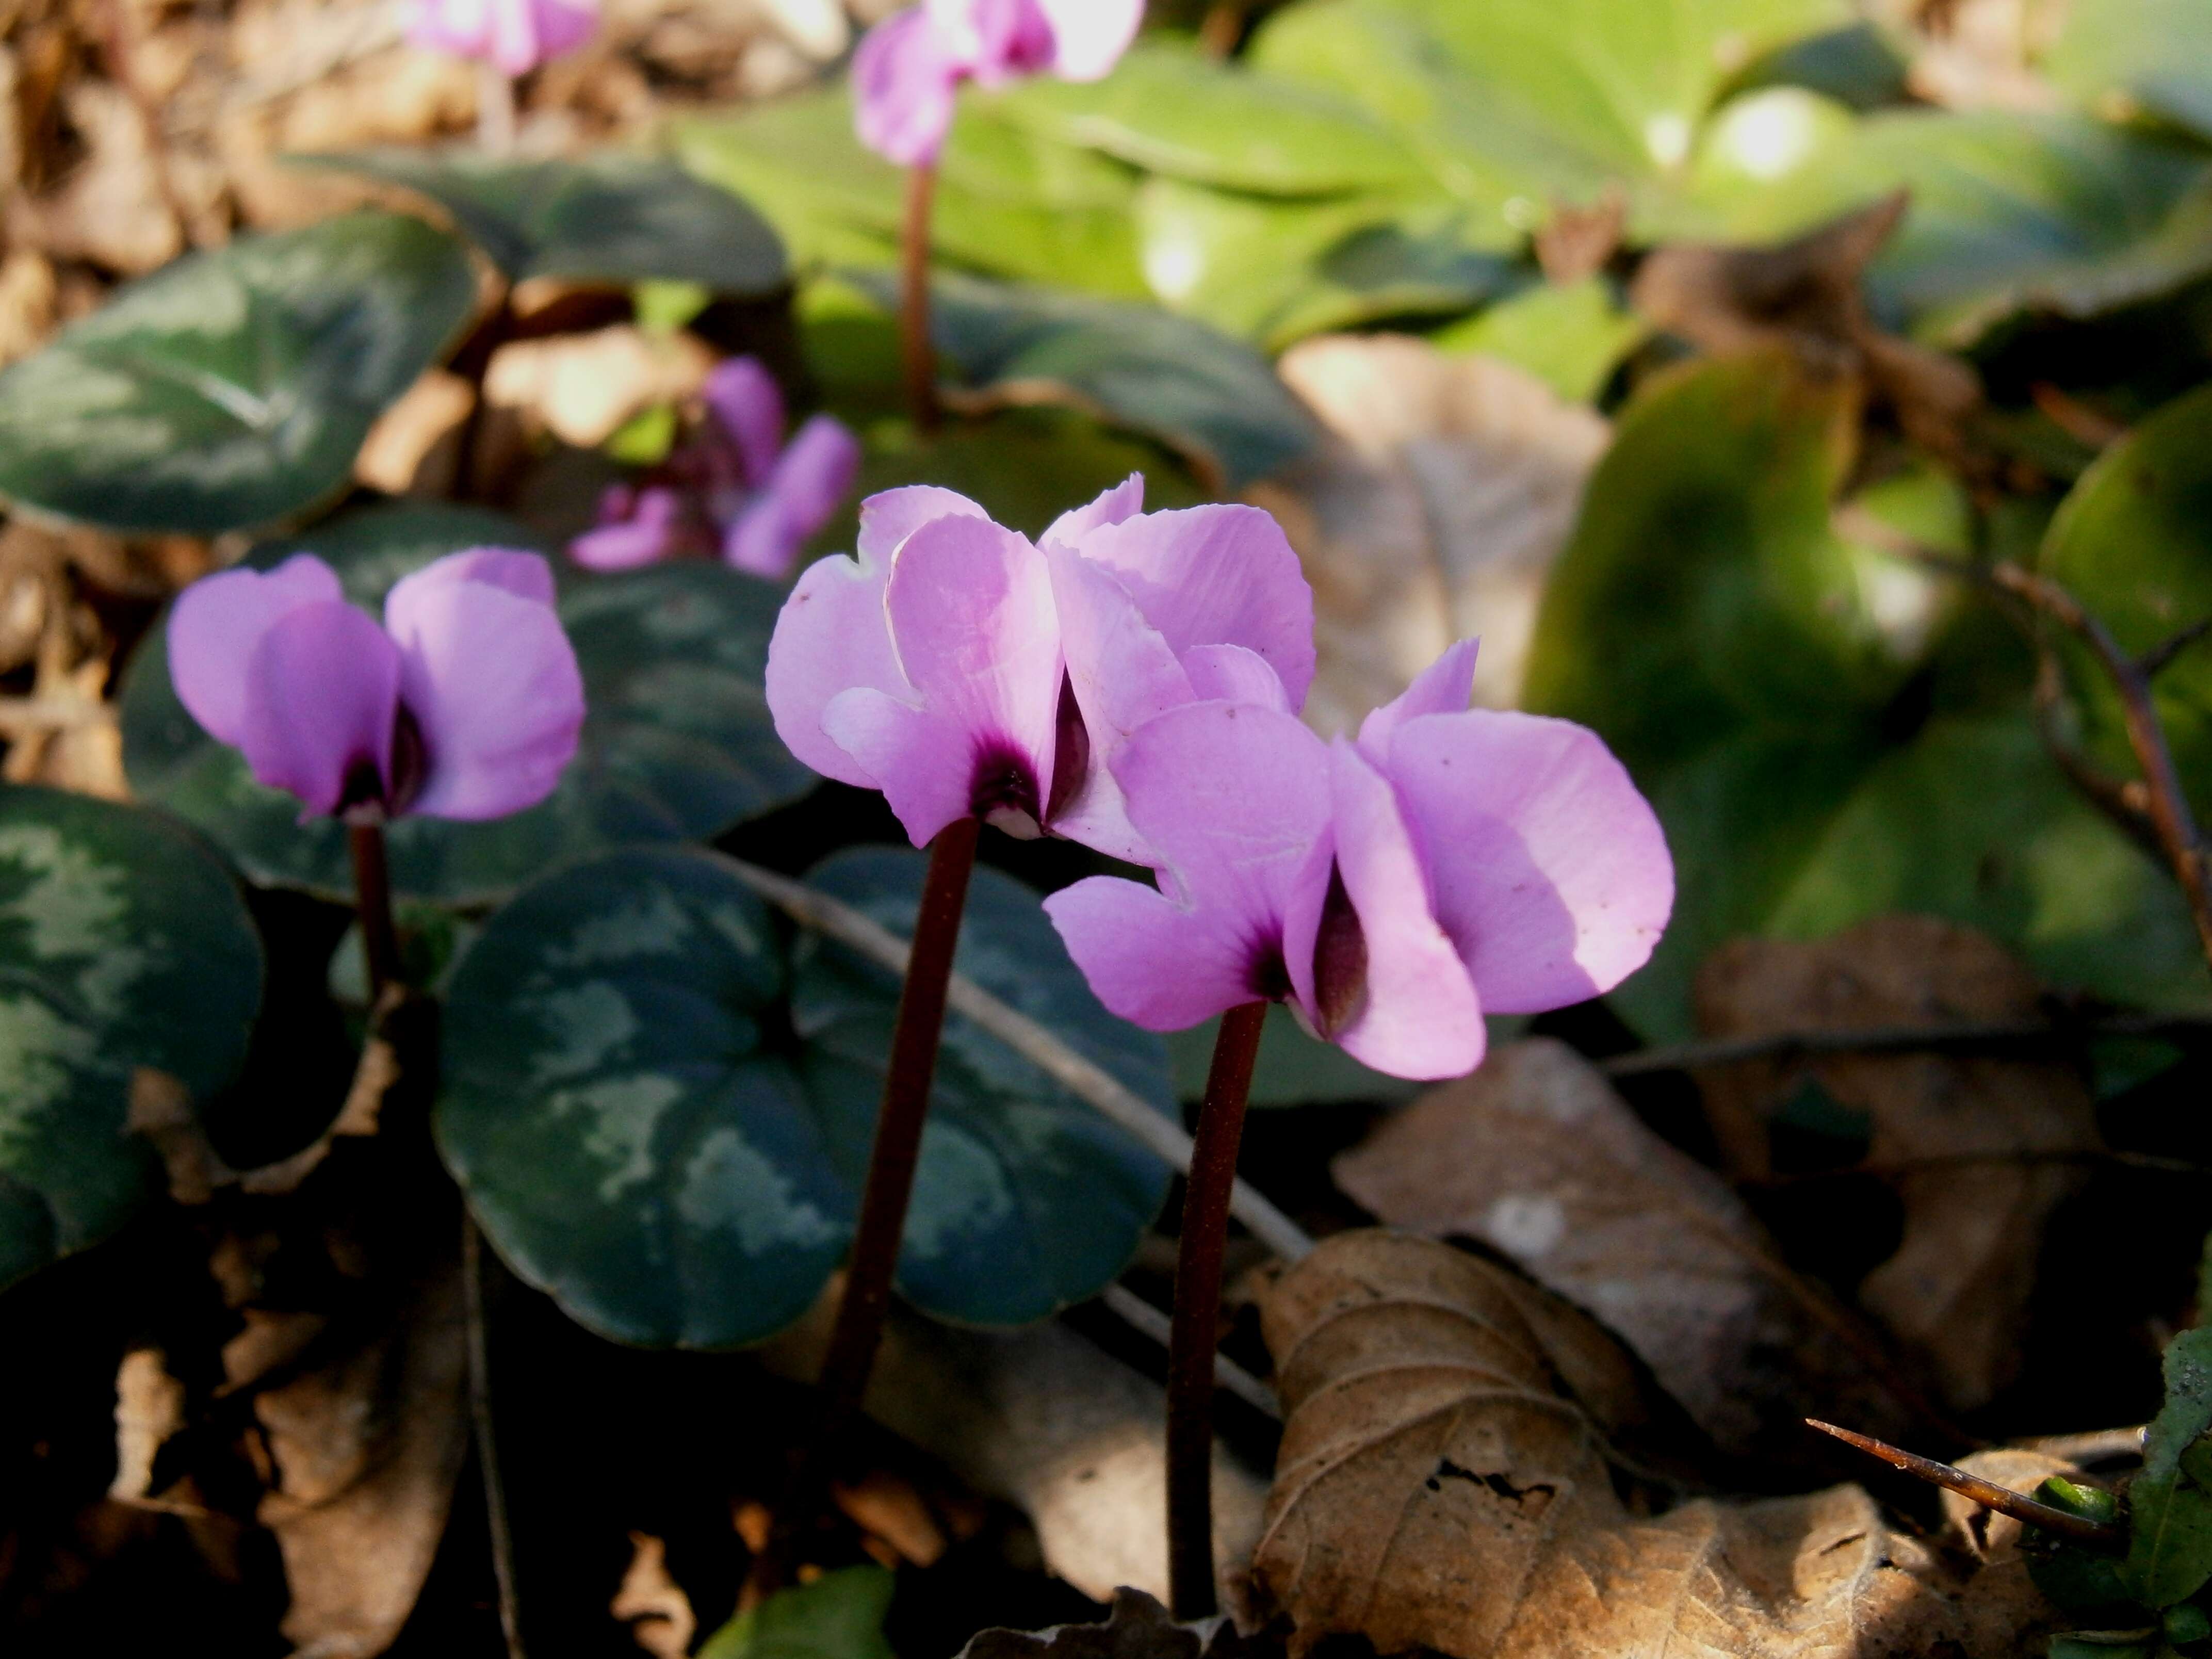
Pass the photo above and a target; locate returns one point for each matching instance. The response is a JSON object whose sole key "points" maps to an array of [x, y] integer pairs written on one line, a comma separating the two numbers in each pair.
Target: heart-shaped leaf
{"points": [[2133, 542], [677, 742], [1007, 201], [232, 388], [124, 945], [637, 1138], [1211, 399], [1514, 105], [1769, 685], [2008, 213], [1027, 1199], [604, 218], [2126, 58]]}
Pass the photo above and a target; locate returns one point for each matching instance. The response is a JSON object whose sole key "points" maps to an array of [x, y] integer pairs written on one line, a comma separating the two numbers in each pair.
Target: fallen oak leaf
{"points": [[1136, 1627], [1955, 1293], [1442, 1484]]}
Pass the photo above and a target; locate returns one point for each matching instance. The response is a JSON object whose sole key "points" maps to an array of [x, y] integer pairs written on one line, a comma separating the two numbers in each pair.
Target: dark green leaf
{"points": [[2123, 57], [2133, 542], [2169, 1512], [1209, 398], [1571, 337], [604, 218], [124, 944], [1027, 1199], [677, 742], [625, 1137], [234, 387], [839, 1616]]}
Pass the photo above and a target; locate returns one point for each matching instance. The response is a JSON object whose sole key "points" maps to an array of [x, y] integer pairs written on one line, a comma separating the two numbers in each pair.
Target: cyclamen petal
{"points": [[515, 36], [1126, 500], [994, 40], [903, 84], [1443, 687], [809, 483], [637, 528], [215, 625], [1551, 871], [1090, 36], [492, 682], [322, 705], [833, 633], [746, 403]]}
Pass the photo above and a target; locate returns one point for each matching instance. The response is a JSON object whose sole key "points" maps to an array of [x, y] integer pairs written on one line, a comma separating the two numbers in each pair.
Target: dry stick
{"points": [[2003, 1500], [2167, 806], [372, 886], [917, 355], [1228, 1376], [1079, 1076], [495, 1493], [1901, 1039], [1193, 1332]]}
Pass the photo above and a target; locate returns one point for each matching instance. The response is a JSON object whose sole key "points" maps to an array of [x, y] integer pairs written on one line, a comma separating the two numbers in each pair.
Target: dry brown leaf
{"points": [[1975, 54], [28, 299], [651, 1603], [1442, 1484], [1805, 295], [366, 1453], [1956, 1293], [1448, 487], [886, 1506], [110, 210], [1536, 1156], [415, 447], [581, 387], [149, 1408]]}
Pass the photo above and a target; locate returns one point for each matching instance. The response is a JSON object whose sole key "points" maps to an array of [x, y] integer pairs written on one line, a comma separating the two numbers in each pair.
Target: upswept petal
{"points": [[492, 683], [1550, 871], [1126, 500], [1215, 576], [920, 759], [218, 620], [639, 532], [322, 697], [561, 28], [512, 570], [1123, 935], [1122, 668], [902, 90], [1230, 673], [1090, 36], [746, 403], [972, 621], [992, 40], [834, 635], [1443, 687], [1419, 1016], [809, 483]]}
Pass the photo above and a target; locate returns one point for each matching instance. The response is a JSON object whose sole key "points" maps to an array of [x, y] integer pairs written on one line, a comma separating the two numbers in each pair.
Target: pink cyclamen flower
{"points": [[908, 68], [464, 703], [1450, 863], [513, 36], [965, 670], [734, 490]]}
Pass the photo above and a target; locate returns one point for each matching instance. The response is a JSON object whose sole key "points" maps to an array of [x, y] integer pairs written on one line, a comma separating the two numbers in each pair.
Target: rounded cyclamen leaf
{"points": [[627, 1137], [1026, 1200], [610, 219], [232, 388], [677, 745], [129, 974]]}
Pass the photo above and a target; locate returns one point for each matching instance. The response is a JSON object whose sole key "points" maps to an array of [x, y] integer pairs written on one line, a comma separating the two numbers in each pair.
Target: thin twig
{"points": [[2003, 1500], [1080, 1076], [494, 1491], [26, 714], [1228, 1376], [2168, 806], [2003, 1035]]}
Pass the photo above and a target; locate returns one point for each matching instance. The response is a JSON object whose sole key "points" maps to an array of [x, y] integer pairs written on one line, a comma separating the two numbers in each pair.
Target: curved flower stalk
{"points": [[969, 672], [973, 676], [508, 38], [734, 491], [1450, 862], [907, 73], [465, 702]]}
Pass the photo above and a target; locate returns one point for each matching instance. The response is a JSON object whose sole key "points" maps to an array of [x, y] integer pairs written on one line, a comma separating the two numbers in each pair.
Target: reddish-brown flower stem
{"points": [[1193, 1332], [372, 886], [916, 354]]}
